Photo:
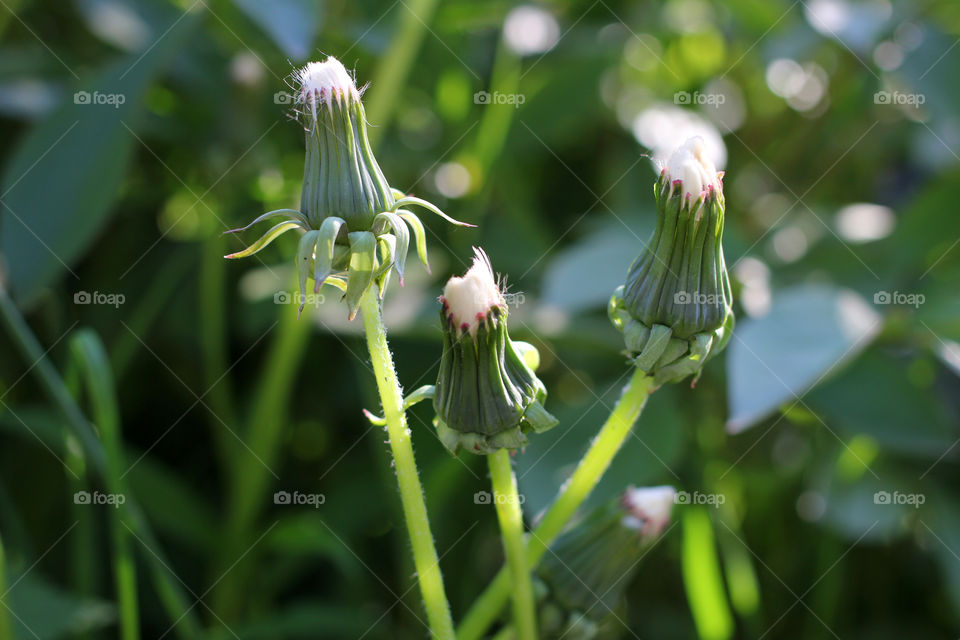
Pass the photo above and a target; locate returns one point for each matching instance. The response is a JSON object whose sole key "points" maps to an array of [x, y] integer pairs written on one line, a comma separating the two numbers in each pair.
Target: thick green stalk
{"points": [[510, 515], [165, 581], [411, 493], [588, 473]]}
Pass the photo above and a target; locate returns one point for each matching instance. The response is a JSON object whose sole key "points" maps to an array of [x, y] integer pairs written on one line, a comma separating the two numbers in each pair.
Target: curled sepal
{"points": [[292, 215], [528, 353], [305, 260], [539, 418], [275, 232], [402, 234], [363, 265], [325, 252], [388, 253], [429, 206], [617, 311], [426, 392], [419, 235], [479, 443], [656, 344]]}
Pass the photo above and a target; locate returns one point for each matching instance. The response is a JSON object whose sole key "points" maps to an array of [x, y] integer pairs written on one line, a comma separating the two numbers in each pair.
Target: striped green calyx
{"points": [[676, 308], [581, 581], [355, 228], [487, 396]]}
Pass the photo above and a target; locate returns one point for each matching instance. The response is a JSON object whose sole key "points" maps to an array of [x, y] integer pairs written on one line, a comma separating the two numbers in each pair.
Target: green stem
{"points": [[509, 514], [588, 473], [395, 64], [411, 493], [6, 630], [165, 581], [95, 367], [251, 472]]}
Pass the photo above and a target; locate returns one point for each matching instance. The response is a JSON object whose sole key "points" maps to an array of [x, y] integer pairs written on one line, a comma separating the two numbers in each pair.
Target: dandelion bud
{"points": [[583, 578], [675, 310], [355, 228], [341, 176], [487, 396]]}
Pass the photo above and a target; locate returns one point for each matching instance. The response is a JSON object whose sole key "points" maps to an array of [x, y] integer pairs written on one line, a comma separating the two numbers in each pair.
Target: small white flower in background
{"points": [[470, 297], [693, 168], [649, 508]]}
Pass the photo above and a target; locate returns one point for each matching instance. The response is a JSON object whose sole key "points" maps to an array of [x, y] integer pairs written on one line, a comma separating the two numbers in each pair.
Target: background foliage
{"points": [[841, 380]]}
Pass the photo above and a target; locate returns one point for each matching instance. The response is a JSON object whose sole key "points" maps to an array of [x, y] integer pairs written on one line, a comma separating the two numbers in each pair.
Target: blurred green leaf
{"points": [[45, 612], [172, 505], [702, 577], [306, 620], [64, 176], [584, 275], [292, 24], [809, 331], [895, 412]]}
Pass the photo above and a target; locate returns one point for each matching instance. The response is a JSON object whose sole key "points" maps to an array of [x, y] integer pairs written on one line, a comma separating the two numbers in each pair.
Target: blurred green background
{"points": [[135, 133]]}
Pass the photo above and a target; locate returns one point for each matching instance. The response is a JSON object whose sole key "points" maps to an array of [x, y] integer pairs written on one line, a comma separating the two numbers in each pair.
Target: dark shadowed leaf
{"points": [[58, 188]]}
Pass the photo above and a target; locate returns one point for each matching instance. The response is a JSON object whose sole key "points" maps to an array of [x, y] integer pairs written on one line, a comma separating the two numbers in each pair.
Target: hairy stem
{"points": [[588, 473], [411, 493], [510, 516]]}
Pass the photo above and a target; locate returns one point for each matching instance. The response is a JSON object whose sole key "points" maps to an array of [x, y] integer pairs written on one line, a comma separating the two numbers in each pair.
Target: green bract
{"points": [[487, 396], [355, 227], [581, 581], [675, 310]]}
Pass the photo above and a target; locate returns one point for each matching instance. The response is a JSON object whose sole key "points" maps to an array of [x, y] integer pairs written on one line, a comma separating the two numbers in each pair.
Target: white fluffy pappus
{"points": [[324, 82], [649, 508], [470, 298], [690, 164]]}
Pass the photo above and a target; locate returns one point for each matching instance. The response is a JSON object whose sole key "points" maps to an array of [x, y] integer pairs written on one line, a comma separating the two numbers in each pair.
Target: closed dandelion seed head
{"points": [[583, 578], [676, 308], [470, 299], [691, 170], [648, 509], [323, 83], [355, 229], [487, 397]]}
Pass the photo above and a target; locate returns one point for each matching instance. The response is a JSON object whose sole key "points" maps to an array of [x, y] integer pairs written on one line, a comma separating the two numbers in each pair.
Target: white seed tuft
{"points": [[693, 168], [470, 298], [649, 508], [324, 82]]}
